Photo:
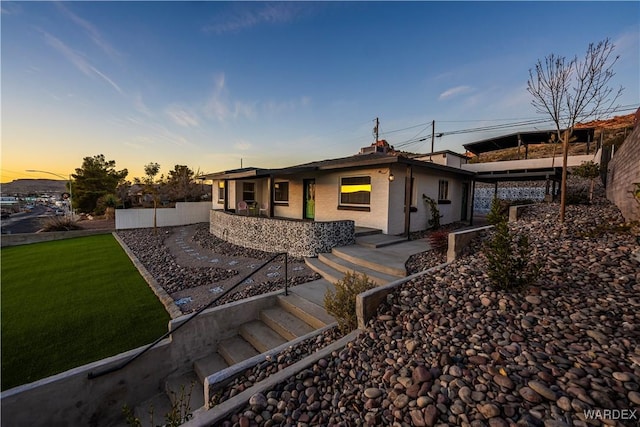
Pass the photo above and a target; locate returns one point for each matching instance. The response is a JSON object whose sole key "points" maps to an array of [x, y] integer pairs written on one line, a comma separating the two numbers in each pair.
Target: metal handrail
{"points": [[93, 375]]}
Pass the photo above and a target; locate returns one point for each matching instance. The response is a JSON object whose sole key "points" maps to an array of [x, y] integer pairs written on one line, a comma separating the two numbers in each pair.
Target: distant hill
{"points": [[612, 131], [33, 186]]}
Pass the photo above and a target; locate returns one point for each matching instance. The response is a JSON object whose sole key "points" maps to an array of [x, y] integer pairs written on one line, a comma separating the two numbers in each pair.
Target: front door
{"points": [[465, 201], [309, 204]]}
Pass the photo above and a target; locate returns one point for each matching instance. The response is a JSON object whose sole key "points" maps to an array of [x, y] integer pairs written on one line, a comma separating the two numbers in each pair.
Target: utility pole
{"points": [[375, 131], [433, 137]]}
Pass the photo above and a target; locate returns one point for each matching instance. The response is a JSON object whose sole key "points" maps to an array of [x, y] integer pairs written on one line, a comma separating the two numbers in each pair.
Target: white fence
{"points": [[184, 213]]}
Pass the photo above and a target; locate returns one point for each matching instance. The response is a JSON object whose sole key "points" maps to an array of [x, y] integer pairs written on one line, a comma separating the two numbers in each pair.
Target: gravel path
{"points": [[194, 266], [448, 349]]}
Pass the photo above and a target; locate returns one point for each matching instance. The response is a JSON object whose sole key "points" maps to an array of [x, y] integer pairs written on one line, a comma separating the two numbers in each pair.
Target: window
{"points": [[355, 190], [443, 191], [281, 192], [249, 191], [220, 191]]}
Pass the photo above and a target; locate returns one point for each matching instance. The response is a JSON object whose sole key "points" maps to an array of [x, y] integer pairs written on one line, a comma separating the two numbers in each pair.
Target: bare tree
{"points": [[571, 91]]}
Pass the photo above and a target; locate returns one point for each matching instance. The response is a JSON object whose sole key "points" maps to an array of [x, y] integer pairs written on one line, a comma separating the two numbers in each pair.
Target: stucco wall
{"points": [[182, 214], [296, 237], [424, 183], [622, 173], [328, 194]]}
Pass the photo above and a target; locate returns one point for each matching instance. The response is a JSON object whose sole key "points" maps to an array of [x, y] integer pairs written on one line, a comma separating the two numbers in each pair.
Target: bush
{"points": [[439, 240], [434, 222], [509, 257], [342, 303], [499, 211], [60, 223]]}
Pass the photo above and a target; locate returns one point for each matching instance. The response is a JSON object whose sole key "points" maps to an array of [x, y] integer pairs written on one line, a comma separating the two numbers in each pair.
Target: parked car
{"points": [[59, 212], [5, 214]]}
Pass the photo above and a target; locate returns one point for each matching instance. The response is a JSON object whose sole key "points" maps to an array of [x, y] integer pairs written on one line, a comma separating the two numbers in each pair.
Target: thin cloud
{"points": [[182, 116], [242, 145], [91, 31], [78, 60], [244, 16], [140, 106], [274, 107], [219, 107], [454, 91]]}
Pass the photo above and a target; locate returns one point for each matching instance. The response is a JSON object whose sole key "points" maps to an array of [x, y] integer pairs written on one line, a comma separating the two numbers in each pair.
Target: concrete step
{"points": [[185, 389], [367, 231], [153, 410], [344, 266], [327, 272], [381, 260], [285, 323], [379, 240], [310, 313], [209, 365], [235, 350], [260, 336]]}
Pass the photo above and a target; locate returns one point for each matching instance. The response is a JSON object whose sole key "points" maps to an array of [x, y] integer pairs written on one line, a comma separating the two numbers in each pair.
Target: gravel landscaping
{"points": [[194, 266], [448, 349]]}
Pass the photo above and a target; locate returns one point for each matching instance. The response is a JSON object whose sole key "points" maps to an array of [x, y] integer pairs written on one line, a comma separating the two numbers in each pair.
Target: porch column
{"points": [[407, 201], [473, 200], [226, 195], [271, 190]]}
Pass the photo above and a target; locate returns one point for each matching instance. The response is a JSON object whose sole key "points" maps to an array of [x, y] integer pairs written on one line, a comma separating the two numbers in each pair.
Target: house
{"points": [[317, 205]]}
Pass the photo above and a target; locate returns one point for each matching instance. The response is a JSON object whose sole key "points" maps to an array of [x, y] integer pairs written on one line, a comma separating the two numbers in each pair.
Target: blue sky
{"points": [[206, 84]]}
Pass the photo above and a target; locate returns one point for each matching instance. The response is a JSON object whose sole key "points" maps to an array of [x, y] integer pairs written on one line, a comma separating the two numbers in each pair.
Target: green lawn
{"points": [[70, 302]]}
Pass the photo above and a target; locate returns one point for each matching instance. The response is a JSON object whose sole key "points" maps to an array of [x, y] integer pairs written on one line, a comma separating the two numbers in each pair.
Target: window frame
{"points": [[350, 204], [221, 191], [443, 192], [245, 192], [277, 190]]}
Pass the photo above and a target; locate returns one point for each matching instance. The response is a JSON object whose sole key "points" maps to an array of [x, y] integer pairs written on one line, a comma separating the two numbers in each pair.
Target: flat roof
{"points": [[525, 138]]}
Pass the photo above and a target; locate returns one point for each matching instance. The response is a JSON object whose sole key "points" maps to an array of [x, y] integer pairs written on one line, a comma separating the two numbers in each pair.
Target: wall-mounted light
{"points": [[391, 177]]}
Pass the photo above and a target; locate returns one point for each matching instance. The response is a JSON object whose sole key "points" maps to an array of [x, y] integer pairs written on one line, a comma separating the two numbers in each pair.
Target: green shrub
{"points": [[60, 223], [342, 303], [509, 259], [434, 222], [498, 212]]}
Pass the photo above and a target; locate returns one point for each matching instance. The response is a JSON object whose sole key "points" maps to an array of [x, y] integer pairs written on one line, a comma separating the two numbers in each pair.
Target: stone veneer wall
{"points": [[622, 174], [296, 237]]}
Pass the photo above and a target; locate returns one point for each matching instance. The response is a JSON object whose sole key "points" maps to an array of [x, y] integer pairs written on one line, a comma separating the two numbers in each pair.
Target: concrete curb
{"points": [[226, 408], [162, 295]]}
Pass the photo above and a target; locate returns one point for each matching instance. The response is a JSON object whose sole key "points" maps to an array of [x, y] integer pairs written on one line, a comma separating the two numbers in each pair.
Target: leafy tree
{"points": [[181, 185], [96, 178], [572, 90], [122, 192]]}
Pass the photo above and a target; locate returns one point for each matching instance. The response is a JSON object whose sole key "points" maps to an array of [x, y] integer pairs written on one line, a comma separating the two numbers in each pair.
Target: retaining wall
{"points": [[183, 214], [460, 239], [296, 237], [27, 238], [622, 173], [72, 399]]}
